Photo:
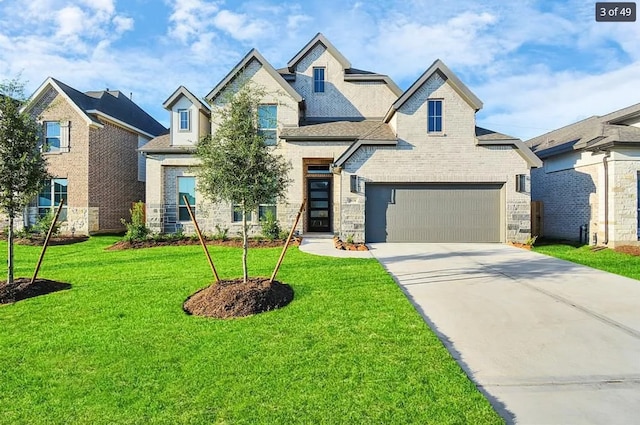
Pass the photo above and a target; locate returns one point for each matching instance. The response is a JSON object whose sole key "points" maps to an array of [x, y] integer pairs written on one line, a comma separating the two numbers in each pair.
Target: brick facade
{"points": [[100, 165], [572, 189]]}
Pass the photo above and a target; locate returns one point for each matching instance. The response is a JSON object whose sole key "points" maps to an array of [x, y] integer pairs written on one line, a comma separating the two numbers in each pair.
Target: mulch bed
{"points": [[234, 298], [236, 243], [629, 249], [55, 240], [22, 289]]}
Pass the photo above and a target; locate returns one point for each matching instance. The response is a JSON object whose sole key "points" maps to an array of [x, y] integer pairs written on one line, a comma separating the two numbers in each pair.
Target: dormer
{"points": [[189, 118], [332, 89]]}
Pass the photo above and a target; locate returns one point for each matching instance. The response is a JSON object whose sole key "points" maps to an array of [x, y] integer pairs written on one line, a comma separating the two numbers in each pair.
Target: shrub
{"points": [[270, 226], [44, 223], [220, 233], [136, 229]]}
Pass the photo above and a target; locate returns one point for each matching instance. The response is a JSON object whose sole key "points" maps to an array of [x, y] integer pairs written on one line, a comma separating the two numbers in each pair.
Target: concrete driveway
{"points": [[547, 341]]}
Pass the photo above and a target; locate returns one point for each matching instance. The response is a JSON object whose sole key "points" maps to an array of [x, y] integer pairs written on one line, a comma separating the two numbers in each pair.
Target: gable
{"points": [[245, 70], [438, 71]]}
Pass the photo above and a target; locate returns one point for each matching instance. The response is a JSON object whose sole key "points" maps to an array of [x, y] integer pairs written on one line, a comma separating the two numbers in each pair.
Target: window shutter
{"points": [[65, 135]]}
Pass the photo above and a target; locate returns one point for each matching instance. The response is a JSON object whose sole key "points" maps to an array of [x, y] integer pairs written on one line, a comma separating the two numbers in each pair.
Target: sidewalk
{"points": [[321, 244]]}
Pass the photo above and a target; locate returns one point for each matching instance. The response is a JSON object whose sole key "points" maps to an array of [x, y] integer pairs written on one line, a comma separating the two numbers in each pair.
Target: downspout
{"points": [[605, 163]]}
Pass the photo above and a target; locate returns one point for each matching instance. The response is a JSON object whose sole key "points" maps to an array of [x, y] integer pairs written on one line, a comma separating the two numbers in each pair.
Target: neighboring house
{"points": [[590, 178], [374, 162], [90, 143]]}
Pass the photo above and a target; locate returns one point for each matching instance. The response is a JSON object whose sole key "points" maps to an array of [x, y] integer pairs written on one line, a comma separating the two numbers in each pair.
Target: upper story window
{"points": [[268, 123], [435, 116], [318, 80], [184, 121], [51, 136], [186, 187]]}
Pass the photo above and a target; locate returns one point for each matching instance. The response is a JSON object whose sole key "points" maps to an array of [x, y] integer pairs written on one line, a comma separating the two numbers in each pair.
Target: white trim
{"points": [[120, 123]]}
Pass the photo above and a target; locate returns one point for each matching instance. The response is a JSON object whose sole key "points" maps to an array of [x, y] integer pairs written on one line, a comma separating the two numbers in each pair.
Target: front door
{"points": [[319, 208]]}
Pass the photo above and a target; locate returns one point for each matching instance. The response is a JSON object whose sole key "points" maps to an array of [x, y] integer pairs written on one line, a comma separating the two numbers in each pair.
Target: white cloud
{"points": [[71, 21], [122, 24], [191, 18], [527, 105], [240, 26]]}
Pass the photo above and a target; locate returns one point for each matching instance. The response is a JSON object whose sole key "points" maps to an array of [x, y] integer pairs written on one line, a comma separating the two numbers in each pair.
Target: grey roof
{"points": [[486, 137], [340, 130], [114, 104], [183, 91], [593, 133], [249, 57], [437, 67], [162, 144]]}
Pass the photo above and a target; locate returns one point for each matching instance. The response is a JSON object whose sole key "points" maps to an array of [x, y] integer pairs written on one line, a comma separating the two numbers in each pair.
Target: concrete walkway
{"points": [[547, 341], [322, 244]]}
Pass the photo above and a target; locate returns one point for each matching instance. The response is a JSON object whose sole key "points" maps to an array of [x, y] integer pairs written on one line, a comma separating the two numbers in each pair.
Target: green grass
{"points": [[604, 259], [117, 347]]}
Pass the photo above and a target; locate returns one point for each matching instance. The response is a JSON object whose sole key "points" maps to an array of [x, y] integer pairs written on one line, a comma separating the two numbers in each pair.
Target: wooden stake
{"points": [[46, 241], [286, 245], [204, 245]]}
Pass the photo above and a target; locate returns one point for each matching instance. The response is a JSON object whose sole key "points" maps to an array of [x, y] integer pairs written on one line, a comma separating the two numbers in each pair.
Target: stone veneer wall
{"points": [[623, 199]]}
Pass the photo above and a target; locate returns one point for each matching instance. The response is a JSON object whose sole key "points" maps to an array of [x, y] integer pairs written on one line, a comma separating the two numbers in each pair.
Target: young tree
{"points": [[22, 167], [237, 166]]}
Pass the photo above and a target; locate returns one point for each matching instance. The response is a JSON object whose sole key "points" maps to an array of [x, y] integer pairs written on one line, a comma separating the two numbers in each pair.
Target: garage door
{"points": [[433, 213]]}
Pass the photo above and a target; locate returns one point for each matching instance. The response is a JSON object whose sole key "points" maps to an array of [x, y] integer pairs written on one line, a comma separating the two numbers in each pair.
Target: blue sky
{"points": [[536, 65]]}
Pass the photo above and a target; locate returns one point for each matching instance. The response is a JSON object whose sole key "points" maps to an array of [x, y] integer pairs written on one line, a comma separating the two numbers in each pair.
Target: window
{"points": [[318, 80], [319, 169], [53, 191], [51, 136], [435, 116], [186, 187], [263, 209], [237, 214], [268, 123], [521, 183], [183, 116]]}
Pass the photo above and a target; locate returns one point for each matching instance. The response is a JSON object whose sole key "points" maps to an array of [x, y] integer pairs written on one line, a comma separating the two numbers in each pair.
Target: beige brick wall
{"points": [[452, 157], [340, 98]]}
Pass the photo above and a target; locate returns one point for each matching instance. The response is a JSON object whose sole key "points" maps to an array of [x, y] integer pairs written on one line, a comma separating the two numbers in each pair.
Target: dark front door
{"points": [[319, 208]]}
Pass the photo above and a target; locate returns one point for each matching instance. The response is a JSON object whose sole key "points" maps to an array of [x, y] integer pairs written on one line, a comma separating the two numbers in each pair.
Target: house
{"points": [[90, 143], [374, 162], [590, 178]]}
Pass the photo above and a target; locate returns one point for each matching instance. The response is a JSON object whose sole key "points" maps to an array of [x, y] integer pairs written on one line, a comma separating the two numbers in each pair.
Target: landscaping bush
{"points": [[136, 229], [44, 223], [270, 226]]}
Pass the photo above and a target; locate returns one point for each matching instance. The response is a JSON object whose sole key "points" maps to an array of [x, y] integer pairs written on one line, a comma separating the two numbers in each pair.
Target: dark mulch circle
{"points": [[22, 289], [233, 298]]}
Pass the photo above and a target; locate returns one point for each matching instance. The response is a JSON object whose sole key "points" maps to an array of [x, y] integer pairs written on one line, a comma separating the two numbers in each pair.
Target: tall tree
{"points": [[237, 166], [22, 167]]}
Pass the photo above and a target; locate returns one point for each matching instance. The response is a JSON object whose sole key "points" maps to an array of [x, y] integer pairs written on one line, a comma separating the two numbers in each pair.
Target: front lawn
{"points": [[117, 347], [602, 259]]}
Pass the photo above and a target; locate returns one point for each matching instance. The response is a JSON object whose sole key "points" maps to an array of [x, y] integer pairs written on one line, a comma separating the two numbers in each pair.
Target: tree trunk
{"points": [[245, 245], [10, 253]]}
